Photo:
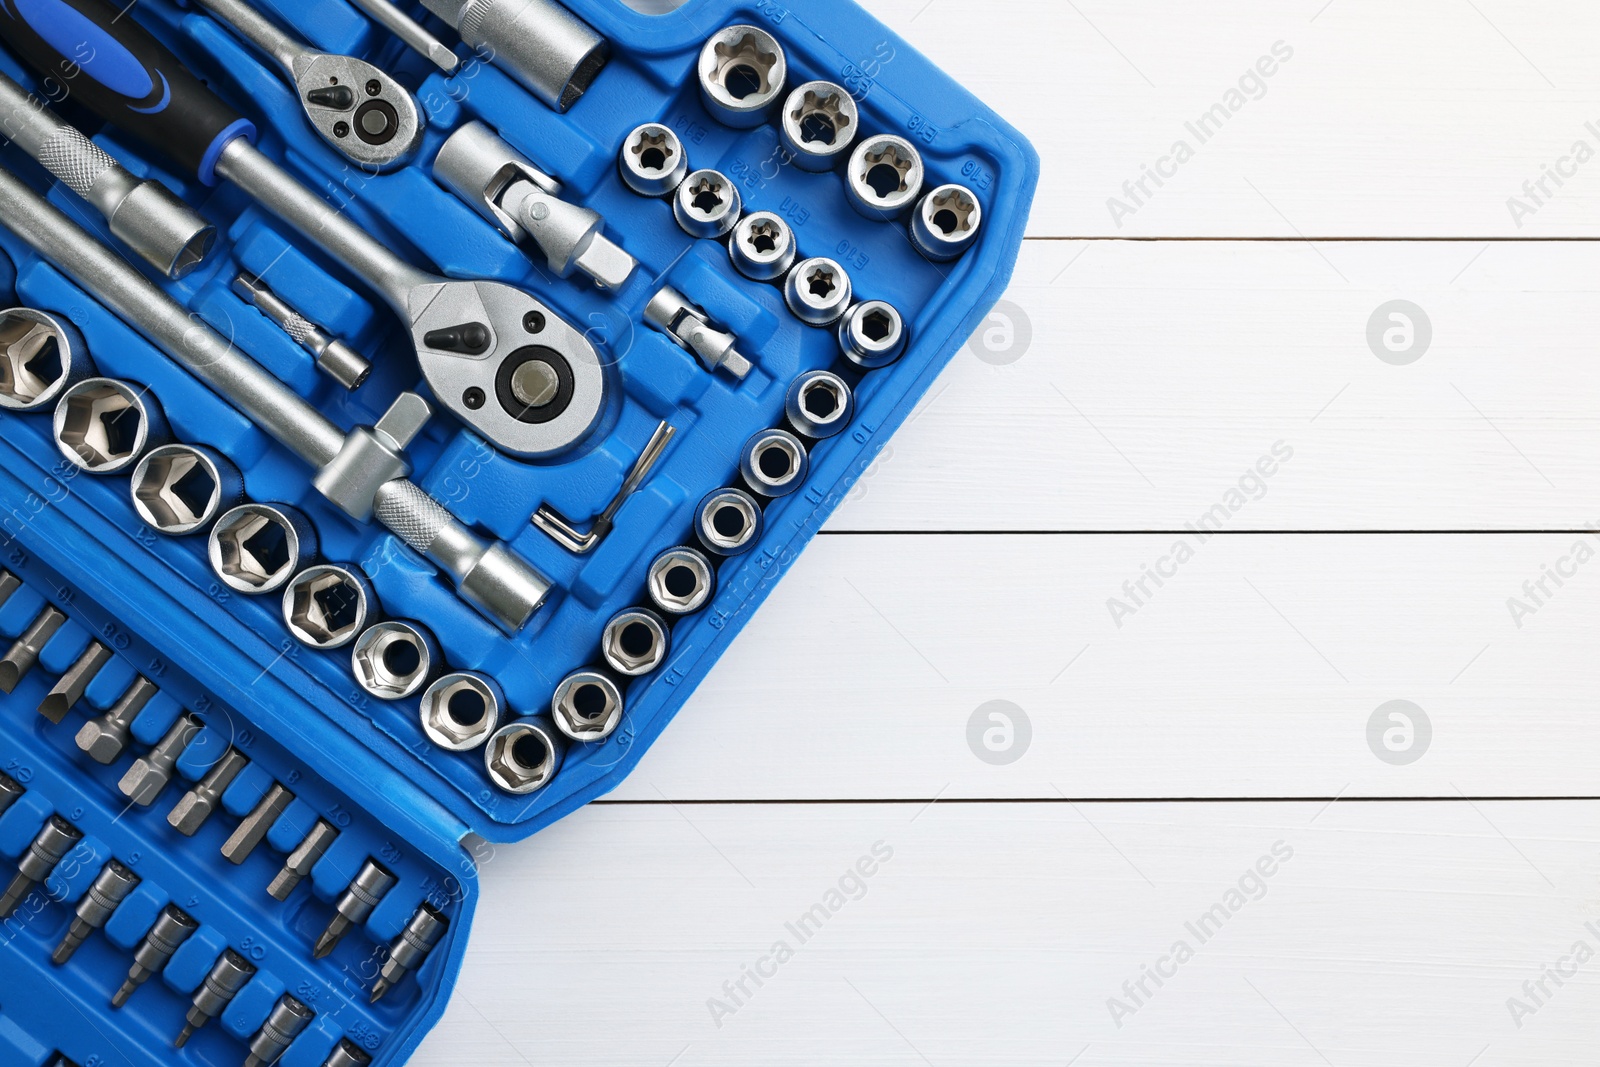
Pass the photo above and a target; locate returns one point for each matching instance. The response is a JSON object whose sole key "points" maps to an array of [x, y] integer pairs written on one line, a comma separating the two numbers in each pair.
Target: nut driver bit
{"points": [[288, 1019], [200, 802], [171, 929], [410, 949], [24, 654], [45, 851], [344, 1053], [70, 689], [253, 830], [105, 737], [363, 894], [302, 859], [227, 977], [106, 893]]}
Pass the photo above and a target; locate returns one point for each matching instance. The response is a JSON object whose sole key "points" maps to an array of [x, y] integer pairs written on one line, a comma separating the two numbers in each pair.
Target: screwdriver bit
{"points": [[171, 929], [363, 894], [191, 813], [56, 839], [227, 977], [106, 893], [302, 859], [9, 583], [151, 772], [25, 653], [70, 689], [286, 1022], [62, 1061], [347, 1055], [253, 830], [10, 792], [410, 949], [105, 738]]}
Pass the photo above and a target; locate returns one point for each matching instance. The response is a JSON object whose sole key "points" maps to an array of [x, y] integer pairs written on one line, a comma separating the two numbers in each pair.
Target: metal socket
{"points": [[818, 404], [818, 291], [256, 548], [728, 521], [552, 52], [946, 222], [587, 706], [872, 334], [347, 1054], [820, 123], [288, 1020], [461, 710], [742, 72], [707, 204], [774, 463], [327, 606], [885, 176], [177, 489], [762, 247], [653, 161], [394, 659], [103, 426], [524, 756], [635, 642], [681, 580], [41, 356]]}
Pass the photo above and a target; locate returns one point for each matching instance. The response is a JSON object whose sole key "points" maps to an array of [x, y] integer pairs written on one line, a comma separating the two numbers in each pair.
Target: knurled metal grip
{"points": [[411, 514], [75, 159]]}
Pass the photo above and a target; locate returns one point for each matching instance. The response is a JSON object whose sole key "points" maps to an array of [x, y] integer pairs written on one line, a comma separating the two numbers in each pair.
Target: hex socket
{"points": [[872, 334], [255, 549], [41, 356], [523, 757], [328, 605], [774, 463], [681, 580], [178, 489], [103, 425], [818, 404]]}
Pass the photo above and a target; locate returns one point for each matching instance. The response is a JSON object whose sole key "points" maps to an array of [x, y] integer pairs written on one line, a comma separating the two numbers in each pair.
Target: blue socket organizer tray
{"points": [[73, 541]]}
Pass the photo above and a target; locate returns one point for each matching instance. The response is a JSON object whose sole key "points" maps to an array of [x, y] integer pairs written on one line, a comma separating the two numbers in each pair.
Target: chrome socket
{"points": [[177, 489], [774, 463], [742, 73], [818, 404], [946, 223], [41, 356], [872, 334], [587, 706], [728, 522], [653, 161], [681, 580], [818, 291], [256, 548], [288, 1020], [103, 425], [525, 756], [328, 605], [553, 53], [393, 660], [707, 204], [820, 123], [885, 176], [762, 247], [461, 710], [635, 642]]}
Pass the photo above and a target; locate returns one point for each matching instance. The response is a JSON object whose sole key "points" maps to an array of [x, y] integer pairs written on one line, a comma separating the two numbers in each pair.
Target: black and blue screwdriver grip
{"points": [[99, 55]]}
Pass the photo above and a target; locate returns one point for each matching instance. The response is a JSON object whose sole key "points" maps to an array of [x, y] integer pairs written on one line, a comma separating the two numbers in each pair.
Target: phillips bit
{"points": [[171, 929], [191, 813], [302, 859], [286, 1022], [10, 791], [70, 689], [151, 772], [253, 830], [25, 653], [104, 738], [346, 1054], [56, 839], [410, 949], [106, 893], [227, 977], [354, 906]]}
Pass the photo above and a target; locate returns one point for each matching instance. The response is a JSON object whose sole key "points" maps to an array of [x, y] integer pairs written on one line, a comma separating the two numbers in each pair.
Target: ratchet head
{"points": [[361, 111]]}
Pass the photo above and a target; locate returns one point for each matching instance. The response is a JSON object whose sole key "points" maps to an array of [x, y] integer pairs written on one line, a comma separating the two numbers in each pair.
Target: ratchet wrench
{"points": [[505, 364]]}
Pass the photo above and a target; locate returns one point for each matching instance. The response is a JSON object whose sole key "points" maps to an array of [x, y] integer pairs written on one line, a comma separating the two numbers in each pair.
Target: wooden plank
{"points": [[1159, 373], [1392, 934], [1253, 671]]}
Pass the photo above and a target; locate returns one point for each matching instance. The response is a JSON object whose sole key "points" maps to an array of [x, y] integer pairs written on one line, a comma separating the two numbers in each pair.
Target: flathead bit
{"points": [[302, 859], [170, 930], [9, 584], [10, 792], [410, 949], [346, 1054], [253, 830], [364, 893], [25, 653], [46, 850], [197, 805], [151, 772], [106, 893], [104, 738], [227, 977], [288, 1020], [70, 689]]}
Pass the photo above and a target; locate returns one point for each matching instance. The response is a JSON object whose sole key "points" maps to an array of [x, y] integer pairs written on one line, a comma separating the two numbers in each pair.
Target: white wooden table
{"points": [[1217, 725]]}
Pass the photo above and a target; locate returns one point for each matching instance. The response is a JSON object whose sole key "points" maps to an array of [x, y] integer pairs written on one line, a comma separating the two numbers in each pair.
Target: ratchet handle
{"points": [[126, 76]]}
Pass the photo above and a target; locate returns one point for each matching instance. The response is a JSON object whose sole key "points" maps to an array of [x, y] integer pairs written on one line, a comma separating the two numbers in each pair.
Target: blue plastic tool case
{"points": [[75, 541]]}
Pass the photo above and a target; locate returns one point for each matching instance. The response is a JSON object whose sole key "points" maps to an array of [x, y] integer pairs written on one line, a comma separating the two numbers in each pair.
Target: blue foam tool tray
{"points": [[365, 766]]}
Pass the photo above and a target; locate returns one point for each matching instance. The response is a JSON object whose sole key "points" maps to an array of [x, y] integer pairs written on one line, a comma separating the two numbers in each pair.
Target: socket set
{"points": [[402, 406]]}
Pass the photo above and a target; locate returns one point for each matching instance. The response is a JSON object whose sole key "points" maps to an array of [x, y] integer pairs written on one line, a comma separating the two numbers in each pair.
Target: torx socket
{"points": [[198, 804], [302, 859], [70, 689], [45, 851], [11, 791], [106, 893], [253, 830], [151, 772], [363, 894], [25, 652], [410, 949], [105, 737], [171, 929], [228, 975], [288, 1020]]}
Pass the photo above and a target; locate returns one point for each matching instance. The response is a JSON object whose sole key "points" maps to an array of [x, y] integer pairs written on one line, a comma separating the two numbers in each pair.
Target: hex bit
{"points": [[288, 1019], [10, 791], [198, 804], [171, 929], [363, 894], [410, 949], [253, 830], [70, 689], [228, 975], [346, 1054], [46, 850], [104, 738], [25, 652], [302, 859], [106, 894], [151, 772]]}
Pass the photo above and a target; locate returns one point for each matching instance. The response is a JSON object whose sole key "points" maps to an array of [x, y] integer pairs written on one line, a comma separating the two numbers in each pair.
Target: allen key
{"points": [[574, 540]]}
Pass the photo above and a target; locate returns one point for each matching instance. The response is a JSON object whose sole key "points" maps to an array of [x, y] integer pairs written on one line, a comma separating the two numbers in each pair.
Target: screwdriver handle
{"points": [[126, 76]]}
